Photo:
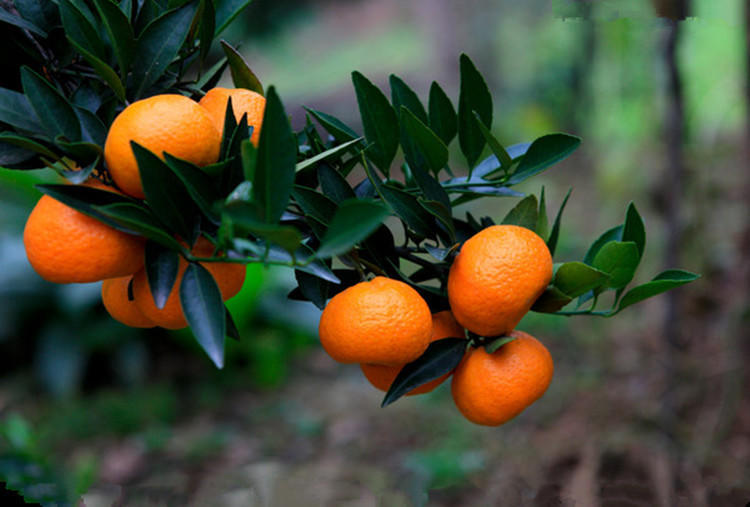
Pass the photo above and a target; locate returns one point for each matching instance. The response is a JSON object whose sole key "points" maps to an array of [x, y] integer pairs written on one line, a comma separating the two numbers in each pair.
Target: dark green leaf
{"points": [[555, 233], [263, 252], [402, 95], [525, 213], [128, 216], [551, 300], [212, 76], [338, 129], [120, 32], [495, 344], [16, 111], [423, 149], [200, 299], [542, 223], [199, 185], [161, 271], [86, 199], [80, 30], [613, 234], [619, 259], [341, 148], [444, 217], [13, 155], [50, 104], [544, 152], [44, 15], [440, 254], [245, 215], [159, 44], [378, 120], [314, 204], [313, 288], [443, 118], [105, 71], [576, 278], [497, 148], [517, 151], [633, 229], [12, 19], [27, 144], [242, 76], [232, 331], [207, 27], [165, 193], [92, 129], [354, 220], [474, 95], [226, 11], [441, 357], [333, 184], [661, 283], [274, 173]]}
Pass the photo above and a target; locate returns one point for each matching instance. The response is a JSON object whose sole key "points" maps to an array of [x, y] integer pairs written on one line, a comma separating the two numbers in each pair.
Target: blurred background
{"points": [[649, 408]]}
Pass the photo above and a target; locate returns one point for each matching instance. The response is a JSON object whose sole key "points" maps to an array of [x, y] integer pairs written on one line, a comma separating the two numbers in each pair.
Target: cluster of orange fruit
{"points": [[65, 246], [383, 324]]}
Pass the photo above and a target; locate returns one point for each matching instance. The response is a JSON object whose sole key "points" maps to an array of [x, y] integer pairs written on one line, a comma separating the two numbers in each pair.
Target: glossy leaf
{"points": [[524, 214], [312, 288], [232, 331], [118, 27], [333, 184], [619, 259], [242, 76], [403, 95], [201, 301], [378, 120], [105, 71], [36, 17], [92, 129], [633, 229], [422, 147], [211, 77], [207, 28], [159, 44], [199, 185], [50, 104], [16, 111], [341, 148], [497, 149], [165, 193], [663, 282], [444, 216], [544, 152], [355, 219], [441, 357], [474, 95], [314, 204], [576, 278], [443, 117], [551, 300], [274, 172], [134, 217], [227, 11], [79, 29], [542, 222], [494, 345], [245, 215], [338, 129], [555, 232], [86, 199], [613, 234], [161, 271]]}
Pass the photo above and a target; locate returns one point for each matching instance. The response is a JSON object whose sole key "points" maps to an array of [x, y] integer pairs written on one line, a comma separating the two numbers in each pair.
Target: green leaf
{"points": [[663, 282], [441, 357], [341, 148], [354, 221], [273, 253], [128, 216], [443, 118], [338, 129], [544, 152], [16, 111], [50, 104], [105, 71], [27, 144], [313, 288], [524, 214], [44, 15], [474, 95], [497, 148], [576, 278], [120, 32], [207, 15], [199, 185], [444, 217], [542, 223], [619, 259], [402, 95], [11, 156], [555, 233], [12, 19], [162, 265], [274, 172], [226, 11], [92, 129], [165, 193], [242, 76], [551, 300], [333, 184], [249, 155], [314, 204], [200, 299], [86, 200], [378, 120], [244, 215], [633, 229], [212, 76], [232, 331], [422, 147], [159, 44], [613, 234], [80, 30], [494, 345]]}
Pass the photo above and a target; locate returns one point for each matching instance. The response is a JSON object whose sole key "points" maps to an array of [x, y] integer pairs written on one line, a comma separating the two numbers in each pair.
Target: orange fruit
{"points": [[243, 101], [65, 246], [490, 389], [163, 123], [382, 376], [229, 277], [496, 277], [119, 306], [382, 321]]}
